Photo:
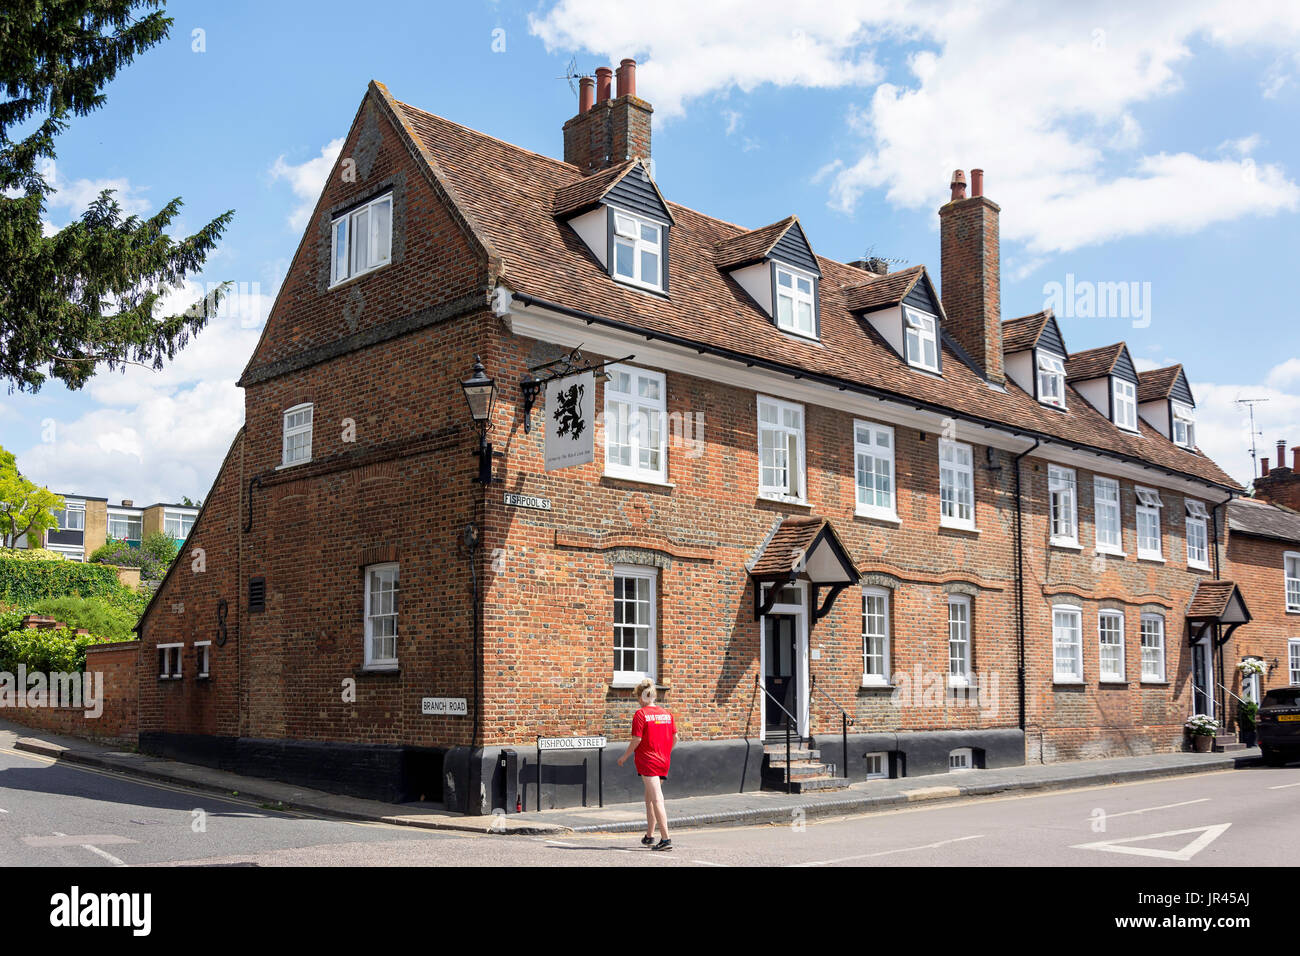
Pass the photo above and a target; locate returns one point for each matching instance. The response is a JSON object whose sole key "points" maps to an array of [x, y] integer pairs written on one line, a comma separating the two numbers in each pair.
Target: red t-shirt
{"points": [[655, 727]]}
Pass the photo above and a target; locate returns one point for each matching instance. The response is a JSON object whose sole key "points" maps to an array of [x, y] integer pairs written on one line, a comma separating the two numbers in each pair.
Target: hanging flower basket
{"points": [[1252, 665]]}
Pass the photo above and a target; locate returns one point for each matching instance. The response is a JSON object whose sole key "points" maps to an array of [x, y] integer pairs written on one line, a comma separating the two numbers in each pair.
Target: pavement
{"points": [[739, 809]]}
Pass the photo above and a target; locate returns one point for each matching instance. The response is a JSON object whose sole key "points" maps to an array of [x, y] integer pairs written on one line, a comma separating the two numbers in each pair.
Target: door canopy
{"points": [[802, 549], [1216, 602]]}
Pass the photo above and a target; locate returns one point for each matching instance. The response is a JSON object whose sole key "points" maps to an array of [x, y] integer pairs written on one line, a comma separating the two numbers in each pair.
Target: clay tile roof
{"points": [[750, 247], [1022, 333], [1093, 363], [881, 293], [1157, 383], [509, 197], [1263, 520], [787, 546], [1211, 599], [578, 196]]}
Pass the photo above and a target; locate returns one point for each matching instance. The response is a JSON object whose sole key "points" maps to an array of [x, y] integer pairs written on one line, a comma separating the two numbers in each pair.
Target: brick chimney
{"points": [[610, 130], [970, 273], [1280, 485]]}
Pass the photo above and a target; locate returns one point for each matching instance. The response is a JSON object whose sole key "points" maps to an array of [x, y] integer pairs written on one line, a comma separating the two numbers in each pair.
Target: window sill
{"points": [[874, 683], [378, 670], [878, 516], [1112, 682], [639, 286], [621, 683], [1068, 681], [1149, 682], [1067, 545], [954, 526], [1111, 553], [292, 464], [958, 682], [639, 479], [1198, 567], [357, 276], [1153, 558], [171, 677], [792, 502]]}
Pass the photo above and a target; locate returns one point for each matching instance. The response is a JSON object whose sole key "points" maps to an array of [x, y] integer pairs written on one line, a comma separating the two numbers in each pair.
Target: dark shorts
{"points": [[661, 776]]}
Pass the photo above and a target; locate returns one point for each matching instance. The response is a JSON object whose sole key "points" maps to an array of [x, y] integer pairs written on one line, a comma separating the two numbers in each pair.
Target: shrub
{"points": [[97, 615], [31, 554], [45, 650], [146, 557], [24, 582], [162, 547]]}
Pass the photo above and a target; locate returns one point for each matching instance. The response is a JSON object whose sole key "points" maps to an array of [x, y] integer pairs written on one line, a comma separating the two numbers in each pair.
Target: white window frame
{"points": [[1063, 505], [1149, 505], [203, 662], [1116, 618], [626, 678], [963, 638], [920, 329], [797, 495], [636, 406], [796, 297], [1153, 648], [877, 765], [1182, 419], [1075, 642], [70, 507], [875, 462], [173, 666], [638, 244], [1293, 660], [1050, 369], [182, 516], [869, 678], [1198, 520], [1102, 503], [961, 759], [371, 660], [128, 515], [289, 432], [1124, 399], [961, 478], [343, 229], [1291, 581]]}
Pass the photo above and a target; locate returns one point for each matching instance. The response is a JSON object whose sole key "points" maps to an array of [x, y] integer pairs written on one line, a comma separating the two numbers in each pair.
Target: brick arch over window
{"points": [[639, 556], [961, 587]]}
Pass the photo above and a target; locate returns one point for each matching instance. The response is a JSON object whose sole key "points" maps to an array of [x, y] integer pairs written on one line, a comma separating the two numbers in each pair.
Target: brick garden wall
{"points": [[115, 665]]}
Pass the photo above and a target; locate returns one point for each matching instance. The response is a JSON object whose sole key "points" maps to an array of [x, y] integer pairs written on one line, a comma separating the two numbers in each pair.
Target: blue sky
{"points": [[1153, 146]]}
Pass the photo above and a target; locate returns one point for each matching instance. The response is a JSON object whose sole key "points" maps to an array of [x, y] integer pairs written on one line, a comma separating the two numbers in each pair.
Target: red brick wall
{"points": [[1256, 565], [972, 291], [115, 667]]}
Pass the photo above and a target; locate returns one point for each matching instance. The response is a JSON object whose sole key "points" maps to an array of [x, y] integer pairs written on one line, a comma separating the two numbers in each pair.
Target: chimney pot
{"points": [[1295, 458], [1281, 453], [1263, 468], [977, 182], [586, 93], [627, 78], [128, 503], [603, 75], [958, 184]]}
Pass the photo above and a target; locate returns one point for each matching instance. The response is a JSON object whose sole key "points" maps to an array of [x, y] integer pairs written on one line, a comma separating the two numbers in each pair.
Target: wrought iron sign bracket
{"points": [[538, 376]]}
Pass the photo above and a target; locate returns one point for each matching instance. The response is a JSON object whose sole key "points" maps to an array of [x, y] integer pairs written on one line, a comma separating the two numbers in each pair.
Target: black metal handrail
{"points": [[845, 720], [789, 722]]}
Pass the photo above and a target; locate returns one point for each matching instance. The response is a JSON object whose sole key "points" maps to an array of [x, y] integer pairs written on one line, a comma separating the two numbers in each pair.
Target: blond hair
{"points": [[646, 684]]}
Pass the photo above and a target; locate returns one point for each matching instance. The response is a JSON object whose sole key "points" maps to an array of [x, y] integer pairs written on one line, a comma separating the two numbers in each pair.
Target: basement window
{"points": [[169, 661], [362, 239], [877, 766], [922, 339], [963, 758]]}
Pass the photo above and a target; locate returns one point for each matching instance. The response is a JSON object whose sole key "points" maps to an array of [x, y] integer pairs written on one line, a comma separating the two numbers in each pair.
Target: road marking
{"points": [[1207, 836], [62, 839], [98, 852], [905, 849], [1163, 806], [707, 863], [1281, 786]]}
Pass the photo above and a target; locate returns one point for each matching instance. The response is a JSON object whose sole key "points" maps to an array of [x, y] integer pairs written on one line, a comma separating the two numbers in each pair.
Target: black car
{"points": [[1279, 725]]}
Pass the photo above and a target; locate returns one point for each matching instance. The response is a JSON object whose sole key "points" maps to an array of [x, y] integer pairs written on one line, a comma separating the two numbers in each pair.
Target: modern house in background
{"points": [[520, 432], [86, 523]]}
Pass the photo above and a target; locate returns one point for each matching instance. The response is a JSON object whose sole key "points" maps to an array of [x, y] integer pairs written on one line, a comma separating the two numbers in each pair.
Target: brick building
{"points": [[817, 491]]}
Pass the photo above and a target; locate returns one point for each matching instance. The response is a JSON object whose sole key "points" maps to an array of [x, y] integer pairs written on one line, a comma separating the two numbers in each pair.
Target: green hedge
{"points": [[47, 651], [25, 582], [31, 554]]}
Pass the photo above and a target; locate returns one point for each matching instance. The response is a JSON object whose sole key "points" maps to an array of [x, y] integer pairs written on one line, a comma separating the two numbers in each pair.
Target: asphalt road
{"points": [[53, 813]]}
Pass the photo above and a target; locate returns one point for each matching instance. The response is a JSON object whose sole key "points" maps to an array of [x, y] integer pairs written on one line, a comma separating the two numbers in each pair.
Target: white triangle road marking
{"points": [[1207, 836]]}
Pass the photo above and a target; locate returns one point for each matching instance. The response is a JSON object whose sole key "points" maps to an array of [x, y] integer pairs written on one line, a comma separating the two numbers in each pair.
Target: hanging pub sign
{"points": [[571, 421]]}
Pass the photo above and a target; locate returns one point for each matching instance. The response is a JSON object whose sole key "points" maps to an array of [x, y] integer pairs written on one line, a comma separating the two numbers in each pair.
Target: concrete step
{"points": [[1227, 748], [796, 756], [825, 782]]}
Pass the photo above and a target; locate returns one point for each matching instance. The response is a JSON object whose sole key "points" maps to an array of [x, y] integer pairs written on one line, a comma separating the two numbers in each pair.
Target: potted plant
{"points": [[1202, 728], [1252, 665], [1247, 717]]}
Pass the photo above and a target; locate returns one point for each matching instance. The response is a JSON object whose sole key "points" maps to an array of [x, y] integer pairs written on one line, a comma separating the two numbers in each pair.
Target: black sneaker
{"points": [[647, 841], [664, 844]]}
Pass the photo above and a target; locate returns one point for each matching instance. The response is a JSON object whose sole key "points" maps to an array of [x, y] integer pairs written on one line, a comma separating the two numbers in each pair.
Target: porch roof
{"points": [[805, 549]]}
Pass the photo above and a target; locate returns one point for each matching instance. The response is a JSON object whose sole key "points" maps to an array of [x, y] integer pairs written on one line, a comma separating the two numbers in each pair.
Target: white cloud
{"points": [[155, 436], [1223, 426], [307, 179], [1043, 98], [73, 197]]}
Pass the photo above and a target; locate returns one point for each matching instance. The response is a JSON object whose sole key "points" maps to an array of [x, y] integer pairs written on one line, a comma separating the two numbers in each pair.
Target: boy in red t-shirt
{"points": [[653, 732]]}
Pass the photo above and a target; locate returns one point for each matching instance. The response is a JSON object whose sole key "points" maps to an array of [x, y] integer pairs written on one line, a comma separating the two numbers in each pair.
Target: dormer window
{"points": [[922, 340], [1184, 429], [1124, 399], [1051, 379], [796, 310], [638, 250]]}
